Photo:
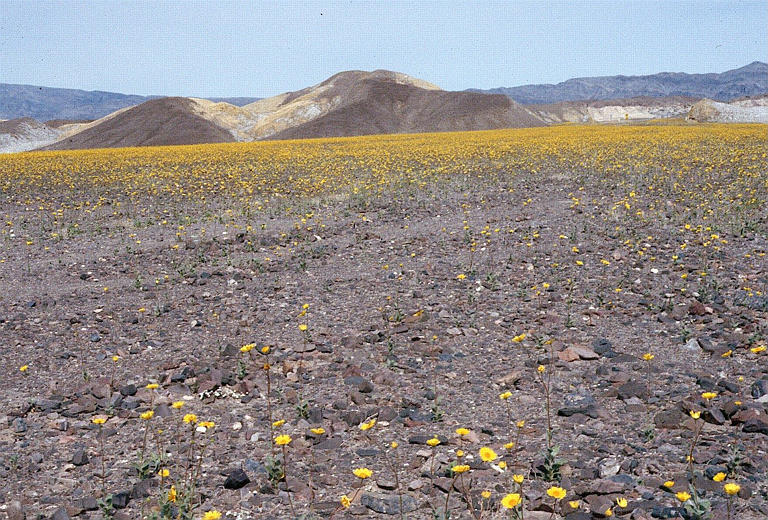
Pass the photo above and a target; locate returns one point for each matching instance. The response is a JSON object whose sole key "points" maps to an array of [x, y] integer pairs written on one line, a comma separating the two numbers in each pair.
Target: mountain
{"points": [[749, 80], [614, 110], [44, 103], [22, 134], [158, 122], [749, 110], [346, 104]]}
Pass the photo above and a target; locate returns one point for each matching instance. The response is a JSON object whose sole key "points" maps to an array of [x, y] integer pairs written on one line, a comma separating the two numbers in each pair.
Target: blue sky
{"points": [[229, 48]]}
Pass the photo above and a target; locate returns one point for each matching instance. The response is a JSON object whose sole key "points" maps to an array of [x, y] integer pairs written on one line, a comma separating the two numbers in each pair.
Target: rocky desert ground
{"points": [[564, 322]]}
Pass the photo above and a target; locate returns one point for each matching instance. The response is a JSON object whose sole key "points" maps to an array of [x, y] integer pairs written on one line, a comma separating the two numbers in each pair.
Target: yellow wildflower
{"points": [[510, 501], [487, 454], [283, 440], [556, 492], [362, 473]]}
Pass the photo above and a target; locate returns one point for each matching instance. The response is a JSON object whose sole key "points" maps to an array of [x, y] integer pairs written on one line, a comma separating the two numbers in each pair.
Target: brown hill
{"points": [[165, 121], [379, 106]]}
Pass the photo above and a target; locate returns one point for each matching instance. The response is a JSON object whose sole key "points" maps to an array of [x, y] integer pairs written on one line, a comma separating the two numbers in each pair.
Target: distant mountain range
{"points": [[363, 103], [45, 103], [749, 80]]}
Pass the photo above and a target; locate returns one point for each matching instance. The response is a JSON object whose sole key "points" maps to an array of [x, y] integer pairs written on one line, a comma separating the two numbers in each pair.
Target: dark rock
{"points": [[143, 488], [80, 457], [128, 390], [236, 479], [331, 443], [757, 425], [713, 416], [632, 389], [666, 512], [85, 504], [365, 387], [388, 504], [669, 419], [19, 425], [182, 375], [367, 452], [575, 403], [759, 388], [121, 498], [60, 514], [603, 347]]}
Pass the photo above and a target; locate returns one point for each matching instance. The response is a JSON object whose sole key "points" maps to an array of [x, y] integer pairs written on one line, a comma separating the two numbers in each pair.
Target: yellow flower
{"points": [[394, 445], [172, 494], [152, 386], [368, 425], [305, 306], [461, 468], [190, 418], [502, 465], [621, 502], [462, 431], [518, 478], [682, 496], [505, 395], [731, 488], [115, 358], [318, 431], [212, 515], [362, 473], [574, 504], [247, 348], [206, 424], [303, 327], [283, 440], [510, 501], [556, 492], [177, 404], [608, 512], [485, 494], [668, 483], [757, 350], [278, 424], [345, 501], [709, 395], [695, 415], [23, 368], [541, 369], [487, 454], [434, 441], [265, 350], [648, 356], [520, 424], [99, 420], [719, 477], [147, 415], [459, 453], [509, 445], [163, 473], [518, 338], [461, 276]]}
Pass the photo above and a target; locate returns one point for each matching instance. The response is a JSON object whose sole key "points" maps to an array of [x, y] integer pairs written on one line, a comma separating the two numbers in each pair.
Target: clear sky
{"points": [[262, 48]]}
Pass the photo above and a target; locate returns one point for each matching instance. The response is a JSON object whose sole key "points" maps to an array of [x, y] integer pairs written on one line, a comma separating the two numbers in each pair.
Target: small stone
{"points": [[609, 467], [120, 499], [388, 504], [80, 457], [19, 425], [756, 425], [575, 403], [236, 479], [632, 389], [692, 345], [759, 388], [365, 387], [60, 514]]}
